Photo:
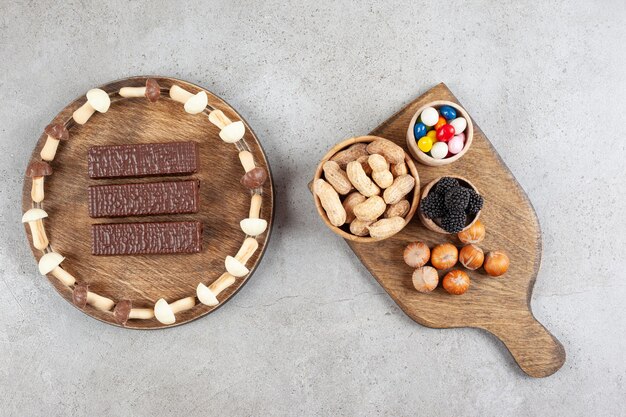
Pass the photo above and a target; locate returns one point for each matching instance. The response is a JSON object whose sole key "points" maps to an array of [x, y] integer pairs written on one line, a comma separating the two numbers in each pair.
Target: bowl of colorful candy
{"points": [[440, 133]]}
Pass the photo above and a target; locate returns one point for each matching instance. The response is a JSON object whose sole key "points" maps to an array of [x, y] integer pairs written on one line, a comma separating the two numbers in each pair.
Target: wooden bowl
{"points": [[414, 199], [429, 223], [424, 158]]}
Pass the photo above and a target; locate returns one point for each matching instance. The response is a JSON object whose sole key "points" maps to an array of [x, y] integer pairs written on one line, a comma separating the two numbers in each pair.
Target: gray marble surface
{"points": [[313, 333]]}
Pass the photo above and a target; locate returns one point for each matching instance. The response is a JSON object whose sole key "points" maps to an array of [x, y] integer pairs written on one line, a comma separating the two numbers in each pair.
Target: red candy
{"points": [[445, 133]]}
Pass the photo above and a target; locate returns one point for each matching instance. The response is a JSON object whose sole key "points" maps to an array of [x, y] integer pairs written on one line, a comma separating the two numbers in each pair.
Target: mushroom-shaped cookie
{"points": [[230, 131], [152, 91], [208, 295], [165, 313], [34, 217], [97, 100], [236, 266], [81, 296], [253, 225], [194, 103], [49, 264], [124, 311], [56, 132], [37, 170], [255, 176]]}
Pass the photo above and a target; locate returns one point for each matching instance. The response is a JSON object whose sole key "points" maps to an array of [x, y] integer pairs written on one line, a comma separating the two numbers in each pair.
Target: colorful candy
{"points": [[445, 132], [448, 112], [455, 145], [459, 124], [419, 130], [439, 150], [429, 116], [425, 144], [440, 123], [439, 132]]}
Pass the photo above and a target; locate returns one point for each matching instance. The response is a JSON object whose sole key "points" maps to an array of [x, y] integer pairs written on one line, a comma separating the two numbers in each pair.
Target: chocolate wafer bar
{"points": [[142, 160], [146, 199], [146, 238]]}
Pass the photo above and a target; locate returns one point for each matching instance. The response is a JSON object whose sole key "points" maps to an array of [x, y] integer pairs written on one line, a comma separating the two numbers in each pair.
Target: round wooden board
{"points": [[224, 202]]}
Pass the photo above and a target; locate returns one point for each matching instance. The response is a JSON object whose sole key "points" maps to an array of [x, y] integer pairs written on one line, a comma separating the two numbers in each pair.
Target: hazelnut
{"points": [[416, 254], [474, 234], [496, 263], [456, 282], [472, 257], [425, 279], [444, 256]]}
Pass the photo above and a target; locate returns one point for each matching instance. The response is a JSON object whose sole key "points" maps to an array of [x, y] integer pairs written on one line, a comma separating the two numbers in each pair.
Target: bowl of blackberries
{"points": [[449, 205]]}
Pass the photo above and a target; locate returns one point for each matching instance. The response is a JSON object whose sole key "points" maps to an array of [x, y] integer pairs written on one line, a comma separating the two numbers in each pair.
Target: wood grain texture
{"points": [[224, 202], [499, 305]]}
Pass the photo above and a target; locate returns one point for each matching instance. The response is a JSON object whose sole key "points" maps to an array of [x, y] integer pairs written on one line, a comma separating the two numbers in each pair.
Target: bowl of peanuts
{"points": [[366, 189]]}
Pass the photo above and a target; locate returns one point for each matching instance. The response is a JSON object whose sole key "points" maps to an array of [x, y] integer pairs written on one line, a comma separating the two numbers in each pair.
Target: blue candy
{"points": [[419, 130], [448, 112]]}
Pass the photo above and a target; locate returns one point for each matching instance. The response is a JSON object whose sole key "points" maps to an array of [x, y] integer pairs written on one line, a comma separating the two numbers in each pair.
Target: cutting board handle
{"points": [[533, 347]]}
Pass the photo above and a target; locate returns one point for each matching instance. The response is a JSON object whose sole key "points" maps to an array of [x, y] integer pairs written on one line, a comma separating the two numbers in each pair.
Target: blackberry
{"points": [[454, 222], [432, 206], [456, 199], [475, 202], [445, 184]]}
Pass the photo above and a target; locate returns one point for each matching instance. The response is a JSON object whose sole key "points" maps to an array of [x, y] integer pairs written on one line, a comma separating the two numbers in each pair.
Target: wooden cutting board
{"points": [[223, 203], [499, 305]]}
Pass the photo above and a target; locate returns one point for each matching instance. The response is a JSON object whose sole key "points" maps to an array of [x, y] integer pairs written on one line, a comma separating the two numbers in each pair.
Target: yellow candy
{"points": [[425, 143], [432, 134]]}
